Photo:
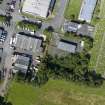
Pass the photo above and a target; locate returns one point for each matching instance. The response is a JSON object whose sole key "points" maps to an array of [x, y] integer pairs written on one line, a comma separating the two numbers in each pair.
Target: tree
{"points": [[4, 102]]}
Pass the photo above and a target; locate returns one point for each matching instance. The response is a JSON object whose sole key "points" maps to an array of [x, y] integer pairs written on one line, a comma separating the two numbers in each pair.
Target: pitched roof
{"points": [[22, 63]]}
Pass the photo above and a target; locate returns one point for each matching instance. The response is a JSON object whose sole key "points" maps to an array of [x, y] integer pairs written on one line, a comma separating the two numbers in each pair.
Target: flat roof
{"points": [[22, 60], [87, 10], [67, 46], [36, 7], [85, 30], [79, 28], [22, 63], [70, 26]]}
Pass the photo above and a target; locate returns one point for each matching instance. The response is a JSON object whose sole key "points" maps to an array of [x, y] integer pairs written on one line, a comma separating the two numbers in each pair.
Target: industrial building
{"points": [[68, 46], [87, 10], [37, 7], [79, 29], [28, 43], [21, 63]]}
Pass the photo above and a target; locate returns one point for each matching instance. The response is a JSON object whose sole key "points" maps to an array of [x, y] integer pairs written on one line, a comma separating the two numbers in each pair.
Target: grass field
{"points": [[73, 8], [56, 92], [98, 52]]}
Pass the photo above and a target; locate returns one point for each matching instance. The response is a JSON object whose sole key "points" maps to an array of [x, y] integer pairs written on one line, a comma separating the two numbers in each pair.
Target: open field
{"points": [[97, 61], [56, 92], [73, 8]]}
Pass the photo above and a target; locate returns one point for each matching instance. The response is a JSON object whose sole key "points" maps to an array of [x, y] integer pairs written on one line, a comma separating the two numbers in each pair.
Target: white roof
{"points": [[87, 10], [36, 7]]}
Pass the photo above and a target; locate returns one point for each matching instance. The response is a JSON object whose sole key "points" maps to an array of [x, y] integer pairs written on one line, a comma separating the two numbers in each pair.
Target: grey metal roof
{"points": [[87, 10], [21, 68], [67, 46], [70, 26], [36, 7], [85, 30], [79, 29], [28, 43], [22, 60], [22, 63]]}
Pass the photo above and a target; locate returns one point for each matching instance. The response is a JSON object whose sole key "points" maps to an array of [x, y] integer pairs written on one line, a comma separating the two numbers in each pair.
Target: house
{"points": [[37, 7], [67, 46], [79, 28], [28, 43], [87, 10]]}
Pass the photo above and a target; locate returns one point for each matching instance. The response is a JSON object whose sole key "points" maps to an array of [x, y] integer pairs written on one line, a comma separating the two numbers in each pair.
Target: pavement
{"points": [[56, 22]]}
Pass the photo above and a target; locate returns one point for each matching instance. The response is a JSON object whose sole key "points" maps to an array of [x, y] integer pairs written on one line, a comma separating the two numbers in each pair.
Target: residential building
{"points": [[68, 46]]}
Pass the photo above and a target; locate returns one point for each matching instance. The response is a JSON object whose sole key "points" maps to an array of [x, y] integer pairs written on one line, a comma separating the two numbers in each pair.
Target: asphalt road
{"points": [[58, 20]]}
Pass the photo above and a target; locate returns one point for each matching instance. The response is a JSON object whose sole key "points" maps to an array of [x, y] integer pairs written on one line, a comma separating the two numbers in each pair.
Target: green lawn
{"points": [[56, 92], [98, 52], [73, 8]]}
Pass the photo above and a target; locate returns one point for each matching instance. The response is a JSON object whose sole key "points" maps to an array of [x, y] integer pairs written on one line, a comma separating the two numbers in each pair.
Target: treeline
{"points": [[3, 101], [33, 26], [72, 67]]}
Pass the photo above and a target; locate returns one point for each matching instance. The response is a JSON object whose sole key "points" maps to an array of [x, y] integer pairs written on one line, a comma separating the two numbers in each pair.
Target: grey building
{"points": [[21, 64], [70, 26], [28, 43], [68, 46], [79, 28], [85, 30], [87, 10]]}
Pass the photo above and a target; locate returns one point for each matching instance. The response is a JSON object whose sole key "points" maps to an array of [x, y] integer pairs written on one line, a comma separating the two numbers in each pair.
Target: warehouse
{"points": [[28, 43], [21, 64], [87, 10], [79, 29], [67, 46], [37, 7]]}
